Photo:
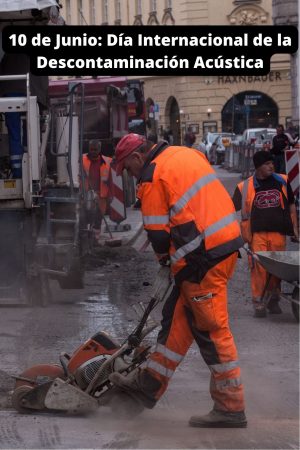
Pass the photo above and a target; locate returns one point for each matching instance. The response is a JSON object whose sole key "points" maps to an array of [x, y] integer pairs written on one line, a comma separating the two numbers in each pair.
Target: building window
{"points": [[68, 12], [92, 12], [138, 13], [80, 12], [117, 12], [138, 7], [168, 18], [104, 12], [152, 20], [153, 6]]}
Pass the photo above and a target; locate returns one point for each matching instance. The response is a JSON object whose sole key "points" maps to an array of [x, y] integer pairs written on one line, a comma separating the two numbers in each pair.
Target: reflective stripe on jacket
{"points": [[103, 173], [186, 210]]}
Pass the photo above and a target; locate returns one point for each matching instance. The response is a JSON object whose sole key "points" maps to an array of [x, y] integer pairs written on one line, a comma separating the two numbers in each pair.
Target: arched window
{"points": [[153, 6], [117, 12], [92, 12], [138, 13], [104, 12], [152, 15], [249, 109], [68, 12], [80, 12], [167, 18], [138, 7]]}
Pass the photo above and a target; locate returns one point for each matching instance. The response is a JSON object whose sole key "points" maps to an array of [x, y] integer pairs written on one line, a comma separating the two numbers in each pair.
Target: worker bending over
{"points": [[191, 223]]}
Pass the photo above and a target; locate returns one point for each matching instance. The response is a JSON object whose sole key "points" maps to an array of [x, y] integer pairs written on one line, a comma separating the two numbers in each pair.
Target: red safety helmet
{"points": [[127, 145]]}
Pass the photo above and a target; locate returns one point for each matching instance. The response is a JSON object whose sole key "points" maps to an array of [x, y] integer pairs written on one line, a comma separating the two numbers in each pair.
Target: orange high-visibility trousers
{"points": [[264, 241], [199, 311]]}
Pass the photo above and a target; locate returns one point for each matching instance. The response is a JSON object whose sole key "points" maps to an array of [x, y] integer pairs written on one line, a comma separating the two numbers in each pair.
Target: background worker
{"points": [[280, 142], [268, 211], [189, 137], [96, 169], [191, 224]]}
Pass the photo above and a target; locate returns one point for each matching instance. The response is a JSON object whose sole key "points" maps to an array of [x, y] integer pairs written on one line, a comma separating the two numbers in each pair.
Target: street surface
{"points": [[116, 278]]}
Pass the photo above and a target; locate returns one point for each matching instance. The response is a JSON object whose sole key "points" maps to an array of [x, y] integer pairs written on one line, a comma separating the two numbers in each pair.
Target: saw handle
{"points": [[134, 339]]}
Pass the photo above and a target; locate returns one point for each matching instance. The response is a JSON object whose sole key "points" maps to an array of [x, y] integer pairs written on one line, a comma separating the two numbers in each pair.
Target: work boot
{"points": [[139, 387], [220, 419], [260, 312], [273, 306]]}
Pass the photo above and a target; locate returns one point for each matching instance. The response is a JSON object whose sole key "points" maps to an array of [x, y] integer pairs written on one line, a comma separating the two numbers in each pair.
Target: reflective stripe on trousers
{"points": [[185, 318]]}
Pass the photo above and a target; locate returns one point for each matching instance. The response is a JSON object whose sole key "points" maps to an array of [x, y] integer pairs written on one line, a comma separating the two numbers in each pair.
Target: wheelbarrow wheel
{"points": [[295, 303]]}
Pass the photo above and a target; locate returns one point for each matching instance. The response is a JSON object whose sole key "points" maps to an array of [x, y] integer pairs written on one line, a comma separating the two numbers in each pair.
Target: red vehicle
{"points": [[105, 108], [112, 107]]}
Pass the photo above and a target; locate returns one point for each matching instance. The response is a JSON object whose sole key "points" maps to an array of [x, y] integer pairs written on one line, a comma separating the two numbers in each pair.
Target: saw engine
{"points": [[90, 356], [82, 382]]}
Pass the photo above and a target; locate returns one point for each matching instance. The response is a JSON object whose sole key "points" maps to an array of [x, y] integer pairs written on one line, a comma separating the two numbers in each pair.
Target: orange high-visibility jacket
{"points": [[103, 173], [247, 189], [186, 210]]}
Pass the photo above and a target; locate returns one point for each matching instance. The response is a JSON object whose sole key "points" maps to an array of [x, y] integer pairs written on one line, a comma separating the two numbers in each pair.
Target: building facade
{"points": [[220, 103], [286, 12]]}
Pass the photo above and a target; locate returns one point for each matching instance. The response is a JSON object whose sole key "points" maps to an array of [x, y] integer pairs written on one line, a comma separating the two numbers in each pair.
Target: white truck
{"points": [[44, 232]]}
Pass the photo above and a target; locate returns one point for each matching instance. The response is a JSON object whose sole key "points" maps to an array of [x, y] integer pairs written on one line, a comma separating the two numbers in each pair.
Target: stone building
{"points": [[286, 12], [205, 103]]}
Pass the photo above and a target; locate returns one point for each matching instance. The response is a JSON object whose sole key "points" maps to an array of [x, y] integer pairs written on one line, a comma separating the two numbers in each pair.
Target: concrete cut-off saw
{"points": [[80, 383]]}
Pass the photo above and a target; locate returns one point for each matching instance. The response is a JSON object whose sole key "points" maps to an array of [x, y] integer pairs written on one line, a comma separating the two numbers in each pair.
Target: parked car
{"points": [[216, 144], [256, 135], [207, 141]]}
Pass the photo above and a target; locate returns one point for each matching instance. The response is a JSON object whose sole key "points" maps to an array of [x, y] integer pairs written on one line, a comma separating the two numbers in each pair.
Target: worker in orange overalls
{"points": [[191, 223], [96, 169], [268, 210]]}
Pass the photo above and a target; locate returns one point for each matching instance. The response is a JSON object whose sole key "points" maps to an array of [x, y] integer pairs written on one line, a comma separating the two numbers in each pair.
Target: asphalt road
{"points": [[116, 278]]}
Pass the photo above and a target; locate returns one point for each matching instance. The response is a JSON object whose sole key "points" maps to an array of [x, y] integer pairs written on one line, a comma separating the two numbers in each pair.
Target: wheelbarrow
{"points": [[285, 266]]}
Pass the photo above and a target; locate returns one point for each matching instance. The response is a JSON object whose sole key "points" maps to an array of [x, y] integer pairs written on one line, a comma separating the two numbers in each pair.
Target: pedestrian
{"points": [[280, 143], [189, 138], [268, 214], [291, 130], [191, 224], [168, 135], [96, 170]]}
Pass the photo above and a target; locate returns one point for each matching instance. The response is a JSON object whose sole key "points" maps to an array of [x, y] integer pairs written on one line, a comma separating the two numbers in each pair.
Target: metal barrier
{"points": [[228, 160], [239, 158], [248, 167]]}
